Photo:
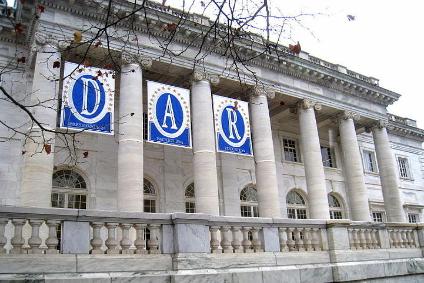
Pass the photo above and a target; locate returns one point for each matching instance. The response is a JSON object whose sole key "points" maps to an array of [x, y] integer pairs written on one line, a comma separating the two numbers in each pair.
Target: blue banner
{"points": [[87, 99], [232, 126], [168, 115]]}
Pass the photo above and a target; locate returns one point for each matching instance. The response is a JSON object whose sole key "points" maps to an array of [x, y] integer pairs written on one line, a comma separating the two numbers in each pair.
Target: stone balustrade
{"points": [[66, 231]]}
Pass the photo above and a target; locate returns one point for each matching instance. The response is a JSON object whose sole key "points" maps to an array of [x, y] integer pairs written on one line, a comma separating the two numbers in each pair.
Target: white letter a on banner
{"points": [[169, 112]]}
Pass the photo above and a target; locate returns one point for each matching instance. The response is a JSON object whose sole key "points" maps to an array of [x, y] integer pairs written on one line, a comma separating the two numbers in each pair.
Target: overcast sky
{"points": [[384, 41]]}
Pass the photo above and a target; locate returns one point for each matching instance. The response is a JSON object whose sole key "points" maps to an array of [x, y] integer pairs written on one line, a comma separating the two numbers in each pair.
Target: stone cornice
{"points": [[304, 67], [399, 126]]}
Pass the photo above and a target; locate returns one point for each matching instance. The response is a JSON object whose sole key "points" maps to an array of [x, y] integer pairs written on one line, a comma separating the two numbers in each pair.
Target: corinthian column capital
{"points": [[307, 104], [345, 115], [144, 61], [201, 75], [260, 90]]}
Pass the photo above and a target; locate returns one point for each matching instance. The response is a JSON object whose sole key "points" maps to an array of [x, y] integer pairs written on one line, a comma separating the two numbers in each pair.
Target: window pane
{"points": [[58, 200], [290, 150], [413, 218], [149, 205], [403, 167], [377, 216], [301, 214], [190, 207], [245, 211], [327, 158], [291, 213], [369, 161]]}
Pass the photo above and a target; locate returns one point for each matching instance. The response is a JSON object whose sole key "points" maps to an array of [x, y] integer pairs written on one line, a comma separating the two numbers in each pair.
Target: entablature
{"points": [[405, 127]]}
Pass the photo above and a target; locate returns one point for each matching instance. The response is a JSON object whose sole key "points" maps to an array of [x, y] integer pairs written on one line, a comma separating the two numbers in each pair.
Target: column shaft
{"points": [[388, 176], [204, 156], [354, 173], [37, 169], [312, 160], [130, 150], [263, 149]]}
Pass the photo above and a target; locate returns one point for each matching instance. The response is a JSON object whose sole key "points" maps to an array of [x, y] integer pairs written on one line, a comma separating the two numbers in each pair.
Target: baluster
{"points": [[298, 239], [307, 239], [140, 240], [398, 241], [368, 240], [153, 242], [362, 239], [236, 243], [290, 239], [257, 244], [410, 237], [225, 241], [17, 240], [404, 241], [111, 241], [3, 239], [391, 238], [374, 239], [282, 234], [97, 241], [52, 241], [214, 239], [35, 241], [246, 243], [355, 239], [126, 242], [316, 239], [351, 239]]}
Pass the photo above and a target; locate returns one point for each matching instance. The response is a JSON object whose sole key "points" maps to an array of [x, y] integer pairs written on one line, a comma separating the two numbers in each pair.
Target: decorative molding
{"points": [[260, 90], [307, 68], [144, 61], [350, 115], [201, 75], [308, 104]]}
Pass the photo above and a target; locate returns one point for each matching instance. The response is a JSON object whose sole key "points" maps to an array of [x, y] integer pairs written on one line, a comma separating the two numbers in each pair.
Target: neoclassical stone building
{"points": [[326, 154]]}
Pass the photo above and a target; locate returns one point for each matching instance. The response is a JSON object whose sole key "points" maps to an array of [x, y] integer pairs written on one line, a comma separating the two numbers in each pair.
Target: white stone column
{"points": [[37, 167], [204, 155], [130, 137], [358, 196], [388, 174], [263, 150], [312, 160]]}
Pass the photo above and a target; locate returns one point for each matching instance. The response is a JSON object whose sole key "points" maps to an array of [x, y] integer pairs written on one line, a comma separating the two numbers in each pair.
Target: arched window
{"points": [[249, 202], [190, 204], [69, 190], [150, 196], [336, 209], [296, 206]]}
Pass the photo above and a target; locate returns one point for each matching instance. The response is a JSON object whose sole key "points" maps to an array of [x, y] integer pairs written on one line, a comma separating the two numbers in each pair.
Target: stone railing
{"points": [[66, 231]]}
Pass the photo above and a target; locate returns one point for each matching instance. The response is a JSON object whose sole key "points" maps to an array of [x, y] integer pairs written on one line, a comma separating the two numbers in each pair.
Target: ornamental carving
{"points": [[350, 115], [259, 90], [200, 75], [307, 104], [143, 61]]}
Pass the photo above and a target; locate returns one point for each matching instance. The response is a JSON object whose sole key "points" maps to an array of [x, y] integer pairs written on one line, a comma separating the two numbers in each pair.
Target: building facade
{"points": [[324, 145]]}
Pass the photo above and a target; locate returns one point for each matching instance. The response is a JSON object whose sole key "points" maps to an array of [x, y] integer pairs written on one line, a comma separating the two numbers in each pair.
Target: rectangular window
{"points": [[190, 207], [327, 157], [58, 200], [336, 214], [377, 216], [150, 205], [413, 218], [291, 213], [370, 164], [404, 168], [245, 211], [77, 201], [290, 150], [301, 214]]}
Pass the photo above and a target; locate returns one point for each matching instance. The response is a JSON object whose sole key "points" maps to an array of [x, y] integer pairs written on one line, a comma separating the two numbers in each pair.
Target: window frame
{"points": [[296, 149], [297, 209], [190, 201], [65, 193], [415, 215], [150, 198], [383, 216], [249, 208], [374, 163], [336, 209], [407, 169], [330, 153]]}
